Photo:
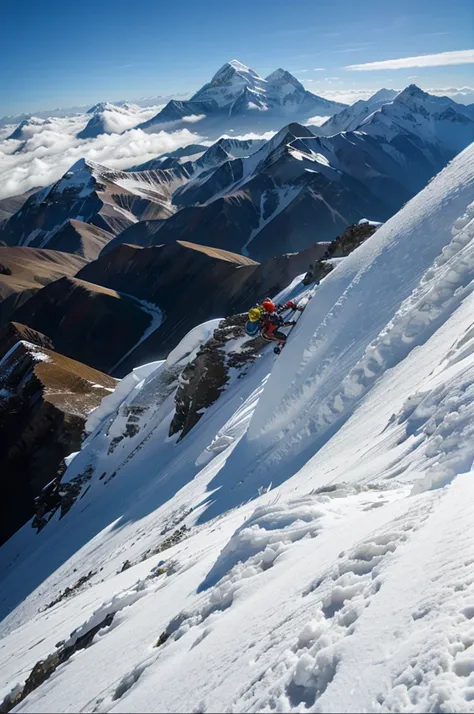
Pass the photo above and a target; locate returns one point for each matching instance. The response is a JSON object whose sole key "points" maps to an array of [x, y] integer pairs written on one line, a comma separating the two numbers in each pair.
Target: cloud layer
{"points": [[47, 151], [437, 60]]}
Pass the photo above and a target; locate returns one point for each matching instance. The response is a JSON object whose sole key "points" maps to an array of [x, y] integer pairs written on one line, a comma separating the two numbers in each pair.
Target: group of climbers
{"points": [[266, 319]]}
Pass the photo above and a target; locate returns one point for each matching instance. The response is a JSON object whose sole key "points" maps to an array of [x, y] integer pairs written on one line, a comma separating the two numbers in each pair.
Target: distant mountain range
{"points": [[238, 96], [253, 197]]}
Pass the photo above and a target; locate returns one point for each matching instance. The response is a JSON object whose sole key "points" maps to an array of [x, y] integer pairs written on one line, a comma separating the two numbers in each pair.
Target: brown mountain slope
{"points": [[80, 238], [87, 322], [24, 271], [191, 284]]}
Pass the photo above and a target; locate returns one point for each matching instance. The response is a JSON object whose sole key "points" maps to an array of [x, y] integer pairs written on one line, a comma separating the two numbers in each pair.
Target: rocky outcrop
{"points": [[351, 239], [342, 246], [24, 271], [203, 379], [44, 400]]}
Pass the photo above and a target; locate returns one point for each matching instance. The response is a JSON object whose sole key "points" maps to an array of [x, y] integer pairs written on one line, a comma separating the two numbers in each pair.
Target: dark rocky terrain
{"points": [[44, 399]]}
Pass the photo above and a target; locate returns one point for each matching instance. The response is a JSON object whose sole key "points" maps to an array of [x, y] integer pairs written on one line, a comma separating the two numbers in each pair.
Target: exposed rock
{"points": [[72, 590], [14, 332], [44, 400], [203, 380], [45, 667], [351, 239], [342, 246]]}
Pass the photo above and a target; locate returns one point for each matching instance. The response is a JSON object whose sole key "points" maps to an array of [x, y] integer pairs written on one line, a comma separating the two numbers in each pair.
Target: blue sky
{"points": [[63, 53]]}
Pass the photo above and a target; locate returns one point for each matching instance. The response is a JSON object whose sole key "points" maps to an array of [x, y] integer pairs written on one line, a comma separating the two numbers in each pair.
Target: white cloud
{"points": [[51, 149], [119, 119], [463, 95], [347, 96], [437, 60], [194, 118], [319, 69], [6, 131], [266, 136], [316, 121]]}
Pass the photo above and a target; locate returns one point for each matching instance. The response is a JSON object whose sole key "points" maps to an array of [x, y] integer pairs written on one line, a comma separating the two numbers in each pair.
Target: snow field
{"points": [[308, 546]]}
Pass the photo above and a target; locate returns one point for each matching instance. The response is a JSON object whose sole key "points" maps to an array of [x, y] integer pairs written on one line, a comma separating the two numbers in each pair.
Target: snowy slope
{"points": [[308, 545], [350, 118], [433, 120], [237, 98]]}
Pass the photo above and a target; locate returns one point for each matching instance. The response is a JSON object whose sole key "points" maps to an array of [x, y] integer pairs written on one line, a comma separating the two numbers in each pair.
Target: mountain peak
{"points": [[231, 68], [80, 165], [384, 95], [412, 91], [99, 107], [282, 76]]}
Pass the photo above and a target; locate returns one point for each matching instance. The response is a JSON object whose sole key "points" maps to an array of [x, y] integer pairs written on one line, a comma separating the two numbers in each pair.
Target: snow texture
{"points": [[308, 545]]}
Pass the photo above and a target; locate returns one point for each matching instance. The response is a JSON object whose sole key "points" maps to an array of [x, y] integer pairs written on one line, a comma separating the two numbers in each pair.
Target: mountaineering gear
{"points": [[268, 305], [266, 319], [290, 305], [255, 314], [270, 325], [252, 328]]}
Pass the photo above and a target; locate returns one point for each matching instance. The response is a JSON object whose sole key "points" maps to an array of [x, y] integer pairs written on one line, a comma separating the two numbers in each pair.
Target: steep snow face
{"points": [[230, 80], [308, 545], [413, 290]]}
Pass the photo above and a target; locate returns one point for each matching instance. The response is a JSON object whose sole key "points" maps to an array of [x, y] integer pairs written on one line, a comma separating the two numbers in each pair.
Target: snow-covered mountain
{"points": [[302, 540], [110, 119], [25, 127], [238, 89], [436, 121], [350, 118], [271, 200], [238, 96], [262, 198], [107, 198]]}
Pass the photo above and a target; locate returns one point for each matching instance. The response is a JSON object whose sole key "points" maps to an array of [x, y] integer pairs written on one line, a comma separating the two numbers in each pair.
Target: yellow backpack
{"points": [[255, 314]]}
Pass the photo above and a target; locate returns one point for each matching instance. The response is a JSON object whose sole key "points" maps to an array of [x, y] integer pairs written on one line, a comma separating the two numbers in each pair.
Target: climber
{"points": [[266, 318]]}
